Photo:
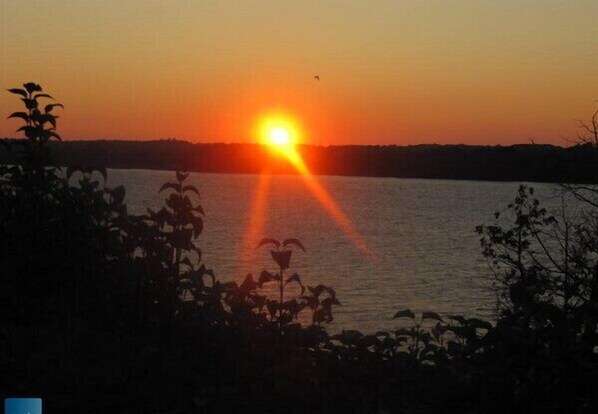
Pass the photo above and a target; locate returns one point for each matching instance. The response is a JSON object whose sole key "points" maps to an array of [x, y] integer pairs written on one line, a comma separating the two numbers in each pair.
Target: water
{"points": [[423, 231]]}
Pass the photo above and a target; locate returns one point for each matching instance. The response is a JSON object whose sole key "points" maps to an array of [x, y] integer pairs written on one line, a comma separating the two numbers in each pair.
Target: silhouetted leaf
{"points": [[425, 337], [248, 284], [187, 262], [191, 188], [457, 318], [186, 284], [272, 307], [329, 301], [478, 323], [176, 187], [389, 343], [118, 194], [318, 290], [54, 135], [282, 258], [203, 271], [406, 313], [265, 277], [438, 330], [32, 87], [229, 286], [294, 307], [266, 241], [295, 242], [23, 115], [30, 132], [197, 227], [368, 340], [42, 95], [296, 278], [181, 176], [431, 315], [199, 254], [48, 118], [405, 332], [349, 337], [50, 107], [18, 92], [259, 301], [322, 315]]}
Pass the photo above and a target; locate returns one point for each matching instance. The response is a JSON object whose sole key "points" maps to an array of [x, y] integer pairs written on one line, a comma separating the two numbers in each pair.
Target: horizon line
{"points": [[431, 144]]}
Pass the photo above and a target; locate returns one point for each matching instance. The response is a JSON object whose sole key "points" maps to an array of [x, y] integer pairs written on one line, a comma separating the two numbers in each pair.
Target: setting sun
{"points": [[279, 136], [279, 131]]}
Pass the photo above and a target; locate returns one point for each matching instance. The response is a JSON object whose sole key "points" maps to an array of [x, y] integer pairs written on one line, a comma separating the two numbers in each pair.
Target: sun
{"points": [[279, 131], [279, 136]]}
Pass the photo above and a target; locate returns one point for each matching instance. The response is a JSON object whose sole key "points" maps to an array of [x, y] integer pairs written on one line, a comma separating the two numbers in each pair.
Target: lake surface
{"points": [[422, 231]]}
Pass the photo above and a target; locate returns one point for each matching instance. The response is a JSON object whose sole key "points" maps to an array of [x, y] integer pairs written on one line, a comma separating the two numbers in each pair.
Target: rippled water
{"points": [[422, 231]]}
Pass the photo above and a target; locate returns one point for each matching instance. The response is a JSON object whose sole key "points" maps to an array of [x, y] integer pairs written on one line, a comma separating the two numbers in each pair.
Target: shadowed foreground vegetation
{"points": [[105, 311]]}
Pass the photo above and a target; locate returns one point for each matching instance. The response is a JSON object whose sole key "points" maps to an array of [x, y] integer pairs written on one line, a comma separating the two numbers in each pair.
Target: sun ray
{"points": [[257, 213], [281, 134], [329, 204]]}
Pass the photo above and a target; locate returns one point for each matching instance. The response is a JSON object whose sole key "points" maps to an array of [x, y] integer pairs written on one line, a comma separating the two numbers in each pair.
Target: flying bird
{"points": [[317, 77]]}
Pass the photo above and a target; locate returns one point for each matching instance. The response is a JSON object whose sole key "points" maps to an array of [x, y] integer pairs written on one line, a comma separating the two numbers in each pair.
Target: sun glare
{"points": [[279, 131], [279, 136]]}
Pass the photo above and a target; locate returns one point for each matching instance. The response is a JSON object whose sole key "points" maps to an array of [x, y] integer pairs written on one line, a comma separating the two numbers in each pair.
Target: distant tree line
{"points": [[530, 162]]}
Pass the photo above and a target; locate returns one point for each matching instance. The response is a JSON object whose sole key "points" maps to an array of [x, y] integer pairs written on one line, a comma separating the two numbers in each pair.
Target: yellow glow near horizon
{"points": [[280, 132]]}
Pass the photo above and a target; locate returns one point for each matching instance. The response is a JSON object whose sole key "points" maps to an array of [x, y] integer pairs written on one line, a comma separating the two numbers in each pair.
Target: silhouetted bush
{"points": [[545, 344]]}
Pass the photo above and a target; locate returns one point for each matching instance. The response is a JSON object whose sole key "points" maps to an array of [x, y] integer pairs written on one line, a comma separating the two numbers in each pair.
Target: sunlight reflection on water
{"points": [[423, 231]]}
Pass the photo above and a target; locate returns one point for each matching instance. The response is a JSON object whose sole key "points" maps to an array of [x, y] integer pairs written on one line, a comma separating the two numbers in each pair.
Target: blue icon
{"points": [[22, 406]]}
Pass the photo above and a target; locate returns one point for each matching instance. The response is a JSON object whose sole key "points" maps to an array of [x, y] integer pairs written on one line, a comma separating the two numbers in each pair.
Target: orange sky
{"points": [[392, 72]]}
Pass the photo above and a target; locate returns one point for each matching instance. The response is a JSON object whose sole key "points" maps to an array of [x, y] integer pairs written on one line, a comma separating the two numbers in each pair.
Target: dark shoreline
{"points": [[525, 162]]}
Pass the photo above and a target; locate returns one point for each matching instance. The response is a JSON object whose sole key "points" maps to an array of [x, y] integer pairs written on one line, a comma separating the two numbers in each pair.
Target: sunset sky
{"points": [[392, 72]]}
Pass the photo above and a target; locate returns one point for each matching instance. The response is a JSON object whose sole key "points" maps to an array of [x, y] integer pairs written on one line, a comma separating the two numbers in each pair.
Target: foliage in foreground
{"points": [[114, 311]]}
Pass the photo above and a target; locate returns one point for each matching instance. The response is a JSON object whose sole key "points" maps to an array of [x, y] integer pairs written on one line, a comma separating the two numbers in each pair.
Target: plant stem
{"points": [[281, 296]]}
